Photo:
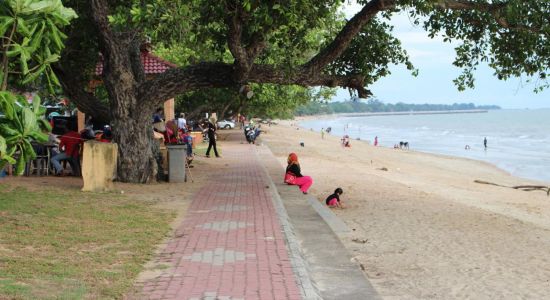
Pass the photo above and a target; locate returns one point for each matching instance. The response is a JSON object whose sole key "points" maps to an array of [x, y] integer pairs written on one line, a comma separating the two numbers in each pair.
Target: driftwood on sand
{"points": [[520, 187]]}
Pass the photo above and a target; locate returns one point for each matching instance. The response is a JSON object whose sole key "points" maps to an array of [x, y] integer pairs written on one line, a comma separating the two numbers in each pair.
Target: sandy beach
{"points": [[423, 229]]}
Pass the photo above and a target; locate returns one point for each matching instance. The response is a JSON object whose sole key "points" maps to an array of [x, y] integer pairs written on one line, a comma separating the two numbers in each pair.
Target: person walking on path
{"points": [[485, 143], [294, 176], [211, 132]]}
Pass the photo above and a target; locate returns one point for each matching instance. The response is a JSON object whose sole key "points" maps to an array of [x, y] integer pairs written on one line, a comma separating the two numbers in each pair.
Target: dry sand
{"points": [[430, 231]]}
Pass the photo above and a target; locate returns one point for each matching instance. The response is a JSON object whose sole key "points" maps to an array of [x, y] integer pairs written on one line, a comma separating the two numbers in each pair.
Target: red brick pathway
{"points": [[230, 245]]}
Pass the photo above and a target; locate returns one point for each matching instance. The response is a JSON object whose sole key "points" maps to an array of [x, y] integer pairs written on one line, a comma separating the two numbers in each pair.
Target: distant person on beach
{"points": [[376, 141], [345, 141], [485, 142], [293, 175], [467, 147], [334, 199], [329, 129], [322, 133]]}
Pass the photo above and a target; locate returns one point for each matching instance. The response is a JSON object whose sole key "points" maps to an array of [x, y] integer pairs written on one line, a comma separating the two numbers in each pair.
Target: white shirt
{"points": [[181, 123]]}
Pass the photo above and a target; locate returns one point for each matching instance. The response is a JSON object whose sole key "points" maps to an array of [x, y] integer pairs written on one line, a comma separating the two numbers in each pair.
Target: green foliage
{"points": [[371, 52], [22, 124], [275, 101], [512, 38], [32, 39], [374, 105], [31, 42]]}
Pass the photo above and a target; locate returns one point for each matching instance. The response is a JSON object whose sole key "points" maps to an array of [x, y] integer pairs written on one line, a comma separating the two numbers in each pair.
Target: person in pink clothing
{"points": [[294, 176]]}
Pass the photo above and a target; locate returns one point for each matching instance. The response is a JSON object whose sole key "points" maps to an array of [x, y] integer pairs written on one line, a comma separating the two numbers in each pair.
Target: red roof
{"points": [[151, 63]]}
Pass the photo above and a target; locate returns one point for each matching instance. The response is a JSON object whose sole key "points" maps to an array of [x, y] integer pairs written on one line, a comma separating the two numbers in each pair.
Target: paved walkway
{"points": [[230, 245]]}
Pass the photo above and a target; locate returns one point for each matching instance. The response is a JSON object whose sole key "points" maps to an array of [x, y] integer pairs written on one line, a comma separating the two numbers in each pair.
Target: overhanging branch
{"points": [[221, 75], [343, 39]]}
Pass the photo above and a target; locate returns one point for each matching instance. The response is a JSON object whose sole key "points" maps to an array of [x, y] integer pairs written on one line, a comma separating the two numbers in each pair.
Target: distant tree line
{"points": [[374, 105]]}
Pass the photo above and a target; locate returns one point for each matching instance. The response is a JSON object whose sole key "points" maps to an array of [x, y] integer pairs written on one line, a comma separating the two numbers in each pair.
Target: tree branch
{"points": [[178, 81], [341, 42], [135, 60], [100, 13], [73, 85], [268, 74], [257, 45], [494, 9], [219, 75], [234, 24]]}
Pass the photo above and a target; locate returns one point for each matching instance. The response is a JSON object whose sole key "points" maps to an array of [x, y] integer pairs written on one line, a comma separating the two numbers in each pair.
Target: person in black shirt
{"points": [[334, 199], [294, 176], [211, 132]]}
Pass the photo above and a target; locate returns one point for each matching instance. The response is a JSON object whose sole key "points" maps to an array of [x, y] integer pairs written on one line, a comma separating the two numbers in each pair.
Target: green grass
{"points": [[71, 245]]}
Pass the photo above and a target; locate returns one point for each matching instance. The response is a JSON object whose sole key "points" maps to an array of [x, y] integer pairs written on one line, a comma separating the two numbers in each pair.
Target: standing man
{"points": [[485, 143], [211, 132], [322, 133], [182, 123]]}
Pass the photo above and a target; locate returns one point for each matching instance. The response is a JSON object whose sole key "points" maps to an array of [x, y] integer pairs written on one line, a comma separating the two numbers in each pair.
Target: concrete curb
{"points": [[336, 224], [299, 264]]}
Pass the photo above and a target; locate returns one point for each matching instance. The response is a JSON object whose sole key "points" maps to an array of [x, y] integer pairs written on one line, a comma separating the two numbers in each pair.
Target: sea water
{"points": [[518, 141]]}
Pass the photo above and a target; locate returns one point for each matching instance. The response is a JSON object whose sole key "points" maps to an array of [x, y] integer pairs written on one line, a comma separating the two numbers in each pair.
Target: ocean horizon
{"points": [[518, 140]]}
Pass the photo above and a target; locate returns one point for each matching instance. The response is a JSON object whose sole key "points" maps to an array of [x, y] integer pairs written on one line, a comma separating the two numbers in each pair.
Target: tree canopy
{"points": [[231, 43]]}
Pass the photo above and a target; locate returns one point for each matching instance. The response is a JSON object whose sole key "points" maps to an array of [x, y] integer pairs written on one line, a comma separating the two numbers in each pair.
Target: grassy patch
{"points": [[58, 244]]}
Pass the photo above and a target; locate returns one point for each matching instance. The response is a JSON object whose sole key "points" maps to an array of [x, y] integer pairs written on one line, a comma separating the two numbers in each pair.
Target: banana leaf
{"points": [[20, 164], [44, 125], [23, 28], [7, 101], [3, 146], [7, 131], [35, 103], [39, 136], [28, 151], [29, 121], [5, 23]]}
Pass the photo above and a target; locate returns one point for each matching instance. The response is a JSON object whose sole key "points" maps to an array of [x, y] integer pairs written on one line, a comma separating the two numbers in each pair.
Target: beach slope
{"points": [[422, 228]]}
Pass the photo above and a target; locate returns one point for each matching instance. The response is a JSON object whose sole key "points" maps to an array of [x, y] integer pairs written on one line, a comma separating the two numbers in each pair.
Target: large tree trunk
{"points": [[130, 114], [134, 135], [131, 121]]}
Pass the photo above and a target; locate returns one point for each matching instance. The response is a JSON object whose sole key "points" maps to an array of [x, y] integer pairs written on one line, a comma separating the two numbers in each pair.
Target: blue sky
{"points": [[434, 83]]}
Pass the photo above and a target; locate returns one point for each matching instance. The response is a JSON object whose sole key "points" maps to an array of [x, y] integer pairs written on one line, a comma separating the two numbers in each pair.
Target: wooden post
{"points": [[169, 113], [81, 120]]}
